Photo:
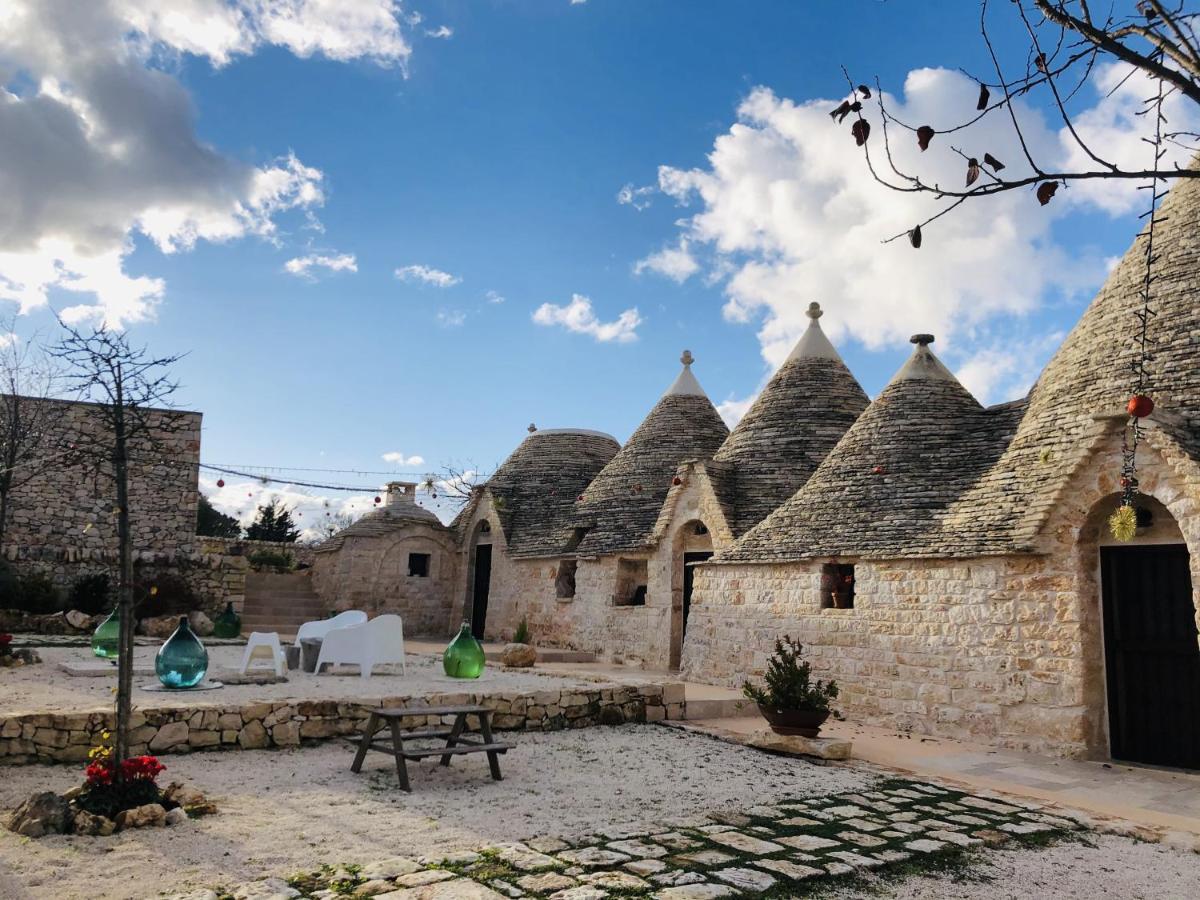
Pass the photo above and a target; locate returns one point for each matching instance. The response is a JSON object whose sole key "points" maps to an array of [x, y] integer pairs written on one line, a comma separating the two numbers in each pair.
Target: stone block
{"points": [[169, 736], [797, 745]]}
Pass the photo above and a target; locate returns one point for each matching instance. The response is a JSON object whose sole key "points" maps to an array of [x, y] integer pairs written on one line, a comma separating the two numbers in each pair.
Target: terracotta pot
{"points": [[804, 722]]}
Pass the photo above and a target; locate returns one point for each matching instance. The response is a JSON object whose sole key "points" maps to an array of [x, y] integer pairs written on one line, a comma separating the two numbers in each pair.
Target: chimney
{"points": [[401, 493]]}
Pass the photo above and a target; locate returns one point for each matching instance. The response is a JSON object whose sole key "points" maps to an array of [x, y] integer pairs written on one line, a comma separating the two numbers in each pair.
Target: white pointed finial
{"points": [[532, 428], [687, 359], [814, 311]]}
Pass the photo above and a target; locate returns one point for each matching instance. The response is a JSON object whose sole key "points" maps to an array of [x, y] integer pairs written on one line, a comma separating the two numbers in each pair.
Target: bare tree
{"points": [[127, 388], [454, 484], [1066, 41], [27, 381]]}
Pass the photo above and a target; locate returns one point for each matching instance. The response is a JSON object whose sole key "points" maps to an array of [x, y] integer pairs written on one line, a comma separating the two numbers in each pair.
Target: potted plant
{"points": [[790, 700]]}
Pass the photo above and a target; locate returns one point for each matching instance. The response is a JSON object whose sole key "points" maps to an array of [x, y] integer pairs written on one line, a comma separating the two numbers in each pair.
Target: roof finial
{"points": [[814, 311], [532, 428], [687, 359], [923, 339]]}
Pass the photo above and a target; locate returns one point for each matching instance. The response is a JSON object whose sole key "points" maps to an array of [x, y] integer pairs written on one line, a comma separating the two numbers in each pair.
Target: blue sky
{"points": [[495, 155]]}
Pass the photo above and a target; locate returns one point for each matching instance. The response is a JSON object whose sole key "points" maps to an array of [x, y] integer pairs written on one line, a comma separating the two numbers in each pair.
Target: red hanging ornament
{"points": [[677, 481], [879, 470], [376, 499], [1140, 406], [220, 482]]}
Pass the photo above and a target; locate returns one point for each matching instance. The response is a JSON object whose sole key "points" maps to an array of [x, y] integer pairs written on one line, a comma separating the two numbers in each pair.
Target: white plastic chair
{"points": [[264, 644], [374, 643], [322, 627]]}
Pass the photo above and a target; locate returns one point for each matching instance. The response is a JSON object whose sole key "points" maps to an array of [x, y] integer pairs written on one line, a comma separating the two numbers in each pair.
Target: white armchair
{"points": [[322, 627], [369, 644]]}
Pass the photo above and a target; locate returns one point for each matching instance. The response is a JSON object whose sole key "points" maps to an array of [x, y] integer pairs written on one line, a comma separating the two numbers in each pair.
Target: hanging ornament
{"points": [[1123, 523], [220, 482], [879, 470], [376, 499], [676, 481], [1140, 406]]}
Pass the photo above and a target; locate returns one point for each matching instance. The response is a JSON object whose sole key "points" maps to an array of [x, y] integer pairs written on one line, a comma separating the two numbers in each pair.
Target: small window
{"points": [[700, 528], [485, 527], [632, 575], [564, 579], [418, 565], [837, 586]]}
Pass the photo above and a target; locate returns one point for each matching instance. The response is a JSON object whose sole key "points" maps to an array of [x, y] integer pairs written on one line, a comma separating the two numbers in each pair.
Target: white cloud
{"points": [[579, 317], [98, 143], [493, 297], [676, 263], [732, 409], [442, 31], [302, 266], [451, 318], [427, 275], [637, 197], [395, 456], [787, 213]]}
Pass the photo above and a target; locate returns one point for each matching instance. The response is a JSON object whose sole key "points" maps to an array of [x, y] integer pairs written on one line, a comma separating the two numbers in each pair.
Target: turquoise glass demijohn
{"points": [[107, 637], [182, 661], [464, 657]]}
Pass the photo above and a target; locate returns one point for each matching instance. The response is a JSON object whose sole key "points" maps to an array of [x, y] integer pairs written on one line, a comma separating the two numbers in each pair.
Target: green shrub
{"points": [[39, 595], [271, 560], [521, 636], [91, 594], [788, 685]]}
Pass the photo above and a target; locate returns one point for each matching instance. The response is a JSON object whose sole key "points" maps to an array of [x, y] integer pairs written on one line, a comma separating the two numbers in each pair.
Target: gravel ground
{"points": [[1105, 866], [284, 811], [46, 686]]}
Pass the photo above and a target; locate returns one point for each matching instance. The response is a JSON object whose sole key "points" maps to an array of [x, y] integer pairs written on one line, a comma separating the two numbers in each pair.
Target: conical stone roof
{"points": [[800, 415], [534, 490], [881, 488], [1090, 375], [619, 508]]}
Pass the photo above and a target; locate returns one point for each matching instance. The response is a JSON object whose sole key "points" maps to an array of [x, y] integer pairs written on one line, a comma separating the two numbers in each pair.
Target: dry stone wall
{"points": [[67, 737]]}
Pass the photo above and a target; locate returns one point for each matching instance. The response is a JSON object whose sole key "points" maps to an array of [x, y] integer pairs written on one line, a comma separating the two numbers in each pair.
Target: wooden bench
{"points": [[456, 743]]}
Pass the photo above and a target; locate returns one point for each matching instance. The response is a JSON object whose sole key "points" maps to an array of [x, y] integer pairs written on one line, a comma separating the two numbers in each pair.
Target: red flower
{"points": [[99, 773], [145, 767]]}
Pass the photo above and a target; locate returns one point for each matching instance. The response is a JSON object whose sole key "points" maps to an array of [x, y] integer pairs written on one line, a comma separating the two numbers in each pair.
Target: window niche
{"points": [[632, 576], [564, 579], [418, 565], [837, 586]]}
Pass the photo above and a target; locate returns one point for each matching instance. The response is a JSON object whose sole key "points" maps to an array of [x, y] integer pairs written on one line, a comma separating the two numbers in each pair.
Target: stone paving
{"points": [[763, 851]]}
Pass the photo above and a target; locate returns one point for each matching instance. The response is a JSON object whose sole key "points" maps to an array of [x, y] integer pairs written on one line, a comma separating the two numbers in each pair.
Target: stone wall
{"points": [[65, 505], [1005, 650], [67, 737], [371, 573]]}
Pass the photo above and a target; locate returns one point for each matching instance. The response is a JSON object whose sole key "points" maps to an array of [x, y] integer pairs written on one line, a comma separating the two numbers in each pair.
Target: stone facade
{"points": [[67, 737], [1003, 649]]}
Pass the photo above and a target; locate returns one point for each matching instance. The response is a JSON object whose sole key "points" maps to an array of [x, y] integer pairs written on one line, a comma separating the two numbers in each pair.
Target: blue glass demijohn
{"points": [[182, 661]]}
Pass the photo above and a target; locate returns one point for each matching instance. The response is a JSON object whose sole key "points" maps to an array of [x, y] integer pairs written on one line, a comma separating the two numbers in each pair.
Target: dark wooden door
{"points": [[1151, 655], [479, 593], [689, 573]]}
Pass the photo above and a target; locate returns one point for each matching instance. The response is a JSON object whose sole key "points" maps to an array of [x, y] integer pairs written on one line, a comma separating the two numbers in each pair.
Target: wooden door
{"points": [[1151, 655], [482, 585], [689, 573]]}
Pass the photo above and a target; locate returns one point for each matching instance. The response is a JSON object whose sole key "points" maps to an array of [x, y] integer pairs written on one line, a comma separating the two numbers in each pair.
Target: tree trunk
{"points": [[124, 592]]}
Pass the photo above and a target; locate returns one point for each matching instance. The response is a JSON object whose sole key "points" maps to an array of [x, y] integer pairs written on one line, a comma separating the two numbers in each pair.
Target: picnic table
{"points": [[456, 743]]}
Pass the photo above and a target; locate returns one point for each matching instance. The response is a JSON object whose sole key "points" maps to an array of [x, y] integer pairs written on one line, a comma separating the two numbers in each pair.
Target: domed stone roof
{"points": [[534, 490], [881, 488], [400, 510], [800, 415], [619, 508]]}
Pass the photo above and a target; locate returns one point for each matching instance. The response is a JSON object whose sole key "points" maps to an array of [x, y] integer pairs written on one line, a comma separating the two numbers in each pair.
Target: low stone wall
{"points": [[67, 737]]}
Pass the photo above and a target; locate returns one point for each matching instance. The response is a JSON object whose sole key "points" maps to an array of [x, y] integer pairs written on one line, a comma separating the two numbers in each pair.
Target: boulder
{"points": [[169, 735], [149, 814], [80, 621], [189, 799], [176, 816], [86, 823], [159, 626], [518, 656], [201, 624], [43, 813]]}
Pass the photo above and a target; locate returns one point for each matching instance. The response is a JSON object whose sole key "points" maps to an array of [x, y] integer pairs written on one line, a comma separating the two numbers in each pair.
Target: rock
{"points": [[612, 715], [150, 814], [194, 803], [160, 626], [389, 868], [169, 735], [518, 656], [43, 813], [78, 620], [201, 624], [795, 745], [270, 889], [86, 823], [253, 736], [176, 816], [373, 887]]}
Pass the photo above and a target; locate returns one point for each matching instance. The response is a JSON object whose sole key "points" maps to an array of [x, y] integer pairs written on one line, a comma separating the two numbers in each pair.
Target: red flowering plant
{"points": [[5, 644], [111, 787]]}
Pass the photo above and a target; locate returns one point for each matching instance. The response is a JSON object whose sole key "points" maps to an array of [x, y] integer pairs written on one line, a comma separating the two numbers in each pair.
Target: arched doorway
{"points": [[479, 580], [1151, 653], [693, 545]]}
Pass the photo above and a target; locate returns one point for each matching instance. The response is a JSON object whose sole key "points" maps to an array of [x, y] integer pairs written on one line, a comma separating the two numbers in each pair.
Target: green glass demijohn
{"points": [[107, 638], [464, 657], [182, 661], [228, 623]]}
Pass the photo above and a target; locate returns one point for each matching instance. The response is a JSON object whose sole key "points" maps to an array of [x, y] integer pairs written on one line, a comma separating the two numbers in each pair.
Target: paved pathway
{"points": [[747, 853]]}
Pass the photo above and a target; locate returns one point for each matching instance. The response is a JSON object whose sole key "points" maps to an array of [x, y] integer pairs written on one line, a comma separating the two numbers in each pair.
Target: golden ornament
{"points": [[1123, 523]]}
